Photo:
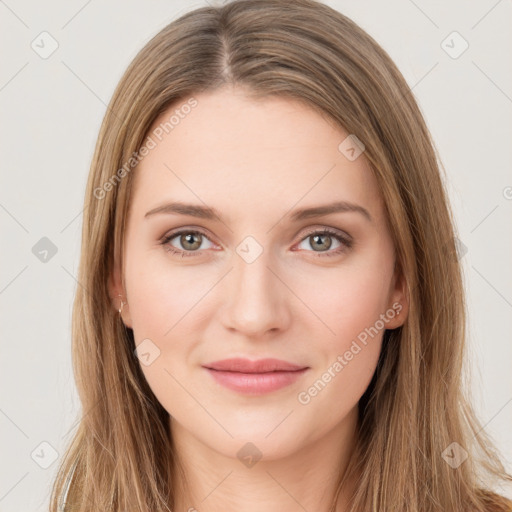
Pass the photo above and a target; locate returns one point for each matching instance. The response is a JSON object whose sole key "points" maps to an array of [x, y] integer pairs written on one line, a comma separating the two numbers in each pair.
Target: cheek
{"points": [[162, 301], [351, 307], [161, 293], [348, 302]]}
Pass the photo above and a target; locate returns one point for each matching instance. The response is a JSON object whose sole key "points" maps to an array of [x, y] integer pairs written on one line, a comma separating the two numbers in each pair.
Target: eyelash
{"points": [[345, 241]]}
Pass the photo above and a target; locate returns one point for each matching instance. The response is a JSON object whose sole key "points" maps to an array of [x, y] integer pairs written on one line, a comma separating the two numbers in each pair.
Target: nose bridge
{"points": [[256, 296]]}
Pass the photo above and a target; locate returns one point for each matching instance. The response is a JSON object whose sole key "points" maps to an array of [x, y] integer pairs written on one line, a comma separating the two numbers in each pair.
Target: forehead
{"points": [[231, 151]]}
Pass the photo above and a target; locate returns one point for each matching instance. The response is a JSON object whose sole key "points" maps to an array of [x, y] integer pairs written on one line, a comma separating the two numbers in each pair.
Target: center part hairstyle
{"points": [[121, 456]]}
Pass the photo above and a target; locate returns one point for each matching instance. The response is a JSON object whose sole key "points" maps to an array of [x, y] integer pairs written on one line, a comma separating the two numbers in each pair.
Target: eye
{"points": [[320, 241], [191, 241]]}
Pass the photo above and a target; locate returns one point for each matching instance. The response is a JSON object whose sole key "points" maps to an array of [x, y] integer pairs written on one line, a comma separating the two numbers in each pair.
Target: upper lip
{"points": [[247, 366]]}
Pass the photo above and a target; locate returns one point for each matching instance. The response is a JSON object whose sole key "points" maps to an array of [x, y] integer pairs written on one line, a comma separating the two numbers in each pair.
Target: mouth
{"points": [[255, 377]]}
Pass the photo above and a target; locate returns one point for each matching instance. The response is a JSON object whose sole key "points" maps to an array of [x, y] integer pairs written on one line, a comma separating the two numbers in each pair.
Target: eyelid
{"points": [[185, 230], [345, 239], [326, 229], [202, 231]]}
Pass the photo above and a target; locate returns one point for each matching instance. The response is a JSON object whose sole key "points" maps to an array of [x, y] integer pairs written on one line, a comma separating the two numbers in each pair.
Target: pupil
{"points": [[320, 237], [189, 239]]}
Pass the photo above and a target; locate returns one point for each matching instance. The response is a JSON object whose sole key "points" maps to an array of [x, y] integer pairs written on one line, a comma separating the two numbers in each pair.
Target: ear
{"points": [[398, 301], [118, 294]]}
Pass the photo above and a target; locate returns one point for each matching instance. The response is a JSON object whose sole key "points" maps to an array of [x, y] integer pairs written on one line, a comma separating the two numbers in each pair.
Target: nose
{"points": [[257, 299]]}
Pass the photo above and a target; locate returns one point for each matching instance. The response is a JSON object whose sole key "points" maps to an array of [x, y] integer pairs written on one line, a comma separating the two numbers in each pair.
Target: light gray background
{"points": [[52, 109]]}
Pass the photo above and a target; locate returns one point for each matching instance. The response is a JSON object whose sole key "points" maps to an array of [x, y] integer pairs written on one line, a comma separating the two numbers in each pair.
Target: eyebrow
{"points": [[206, 212]]}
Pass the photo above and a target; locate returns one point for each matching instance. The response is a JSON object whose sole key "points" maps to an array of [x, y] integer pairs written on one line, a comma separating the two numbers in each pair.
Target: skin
{"points": [[256, 162]]}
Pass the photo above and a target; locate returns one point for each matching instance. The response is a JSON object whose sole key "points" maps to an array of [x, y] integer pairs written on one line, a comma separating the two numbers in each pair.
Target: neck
{"points": [[304, 480]]}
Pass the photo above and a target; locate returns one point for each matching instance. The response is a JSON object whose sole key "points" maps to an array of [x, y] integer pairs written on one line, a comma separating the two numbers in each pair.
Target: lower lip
{"points": [[256, 383]]}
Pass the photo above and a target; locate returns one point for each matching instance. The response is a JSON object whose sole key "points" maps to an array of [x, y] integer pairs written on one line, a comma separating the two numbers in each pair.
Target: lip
{"points": [[239, 364], [255, 377]]}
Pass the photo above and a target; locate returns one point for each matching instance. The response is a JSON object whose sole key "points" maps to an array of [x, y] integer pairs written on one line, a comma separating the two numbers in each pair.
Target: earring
{"points": [[122, 304]]}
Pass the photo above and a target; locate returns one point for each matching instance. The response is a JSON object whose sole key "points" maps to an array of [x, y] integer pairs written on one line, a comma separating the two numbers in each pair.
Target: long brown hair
{"points": [[121, 457]]}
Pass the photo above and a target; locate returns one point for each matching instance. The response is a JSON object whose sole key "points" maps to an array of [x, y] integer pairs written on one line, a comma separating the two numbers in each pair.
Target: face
{"points": [[244, 274]]}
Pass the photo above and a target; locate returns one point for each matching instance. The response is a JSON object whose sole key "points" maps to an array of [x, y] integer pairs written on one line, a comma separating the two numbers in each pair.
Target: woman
{"points": [[271, 313]]}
